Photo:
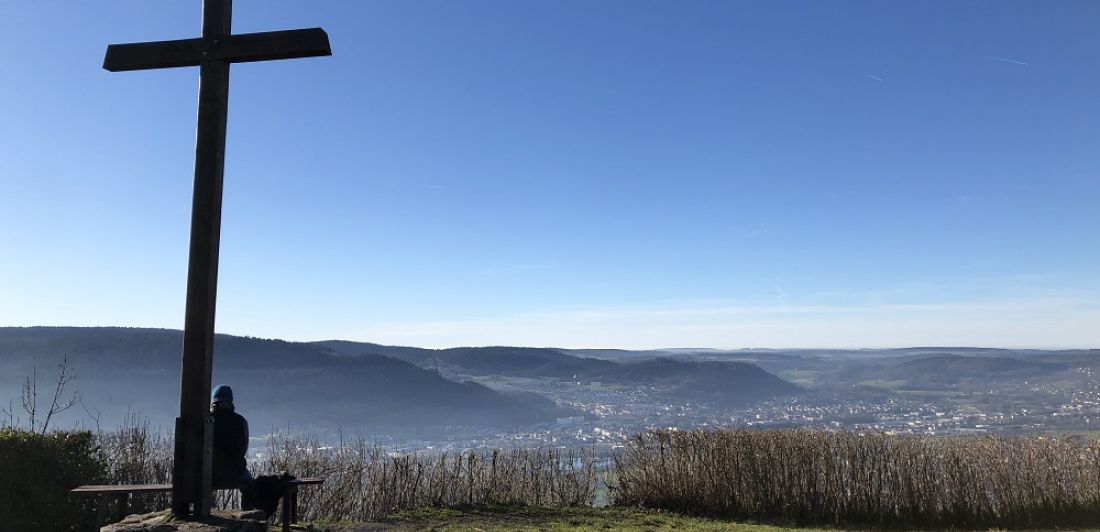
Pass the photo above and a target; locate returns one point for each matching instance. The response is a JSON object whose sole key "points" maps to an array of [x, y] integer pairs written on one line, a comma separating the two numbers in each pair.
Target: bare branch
{"points": [[30, 396], [59, 404], [95, 417], [10, 412]]}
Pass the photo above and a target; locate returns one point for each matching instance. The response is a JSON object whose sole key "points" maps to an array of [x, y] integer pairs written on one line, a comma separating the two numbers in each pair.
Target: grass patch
{"points": [[500, 518], [893, 385]]}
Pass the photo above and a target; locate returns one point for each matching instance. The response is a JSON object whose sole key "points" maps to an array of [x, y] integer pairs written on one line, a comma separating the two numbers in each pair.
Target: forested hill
{"points": [[277, 383], [721, 382], [350, 385]]}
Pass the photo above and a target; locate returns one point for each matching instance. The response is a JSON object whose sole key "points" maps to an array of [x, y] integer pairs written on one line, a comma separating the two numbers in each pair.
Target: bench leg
{"points": [[101, 509], [123, 505], [294, 505], [290, 507], [286, 508]]}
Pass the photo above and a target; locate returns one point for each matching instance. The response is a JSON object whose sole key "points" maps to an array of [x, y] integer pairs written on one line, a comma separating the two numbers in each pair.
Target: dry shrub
{"points": [[819, 476], [138, 454], [364, 482]]}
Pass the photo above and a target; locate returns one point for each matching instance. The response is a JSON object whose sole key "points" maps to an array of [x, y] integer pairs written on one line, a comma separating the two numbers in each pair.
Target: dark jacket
{"points": [[230, 445]]}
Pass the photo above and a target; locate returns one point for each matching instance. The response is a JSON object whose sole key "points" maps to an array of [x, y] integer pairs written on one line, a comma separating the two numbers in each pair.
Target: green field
{"points": [[534, 519]]}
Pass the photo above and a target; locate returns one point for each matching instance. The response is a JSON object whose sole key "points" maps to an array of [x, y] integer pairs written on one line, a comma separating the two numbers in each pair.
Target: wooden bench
{"points": [[290, 499], [122, 492]]}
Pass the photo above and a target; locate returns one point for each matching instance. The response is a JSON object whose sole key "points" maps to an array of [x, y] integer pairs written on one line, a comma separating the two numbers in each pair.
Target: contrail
{"points": [[874, 77], [1013, 61]]}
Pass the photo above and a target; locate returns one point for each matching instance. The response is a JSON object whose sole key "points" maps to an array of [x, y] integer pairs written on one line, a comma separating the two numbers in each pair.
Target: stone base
{"points": [[218, 521]]}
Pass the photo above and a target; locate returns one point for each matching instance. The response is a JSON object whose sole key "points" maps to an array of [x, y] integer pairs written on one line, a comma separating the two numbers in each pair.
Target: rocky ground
{"points": [[218, 521]]}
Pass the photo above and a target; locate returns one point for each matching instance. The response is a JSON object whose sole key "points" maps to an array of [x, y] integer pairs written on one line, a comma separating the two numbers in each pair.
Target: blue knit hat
{"points": [[222, 394]]}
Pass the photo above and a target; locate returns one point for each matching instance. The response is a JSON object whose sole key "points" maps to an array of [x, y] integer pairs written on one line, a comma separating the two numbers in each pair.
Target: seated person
{"points": [[230, 469]]}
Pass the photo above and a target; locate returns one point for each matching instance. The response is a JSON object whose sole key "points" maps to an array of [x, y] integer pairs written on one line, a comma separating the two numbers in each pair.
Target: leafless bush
{"points": [[844, 477], [135, 453], [797, 475], [364, 481], [59, 400]]}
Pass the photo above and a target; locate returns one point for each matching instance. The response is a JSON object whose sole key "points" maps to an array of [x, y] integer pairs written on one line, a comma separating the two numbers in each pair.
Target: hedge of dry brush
{"points": [[364, 482], [872, 478], [136, 453]]}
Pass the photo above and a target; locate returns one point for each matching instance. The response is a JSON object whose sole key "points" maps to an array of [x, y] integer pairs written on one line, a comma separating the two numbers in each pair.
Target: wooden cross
{"points": [[212, 53]]}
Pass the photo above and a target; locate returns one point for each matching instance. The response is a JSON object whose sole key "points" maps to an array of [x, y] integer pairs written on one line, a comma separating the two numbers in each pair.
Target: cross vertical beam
{"points": [[192, 491], [213, 52]]}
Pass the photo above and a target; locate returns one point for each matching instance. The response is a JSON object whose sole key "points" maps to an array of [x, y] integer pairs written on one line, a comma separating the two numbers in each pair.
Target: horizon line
{"points": [[658, 349]]}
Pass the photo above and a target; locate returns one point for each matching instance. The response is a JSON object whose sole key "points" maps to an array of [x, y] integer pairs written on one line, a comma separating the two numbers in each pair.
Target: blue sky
{"points": [[633, 174]]}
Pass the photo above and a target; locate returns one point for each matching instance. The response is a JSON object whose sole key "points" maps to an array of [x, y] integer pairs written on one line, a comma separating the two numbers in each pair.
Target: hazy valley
{"points": [[492, 396]]}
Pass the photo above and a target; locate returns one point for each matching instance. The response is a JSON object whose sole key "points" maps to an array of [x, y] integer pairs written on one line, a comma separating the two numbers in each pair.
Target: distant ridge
{"points": [[276, 382], [726, 383]]}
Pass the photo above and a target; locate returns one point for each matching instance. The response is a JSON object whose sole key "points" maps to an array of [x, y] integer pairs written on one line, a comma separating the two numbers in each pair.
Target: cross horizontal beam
{"points": [[241, 48]]}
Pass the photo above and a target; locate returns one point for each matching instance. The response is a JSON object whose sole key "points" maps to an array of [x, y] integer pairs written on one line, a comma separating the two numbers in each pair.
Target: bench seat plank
{"points": [[93, 489], [121, 488]]}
